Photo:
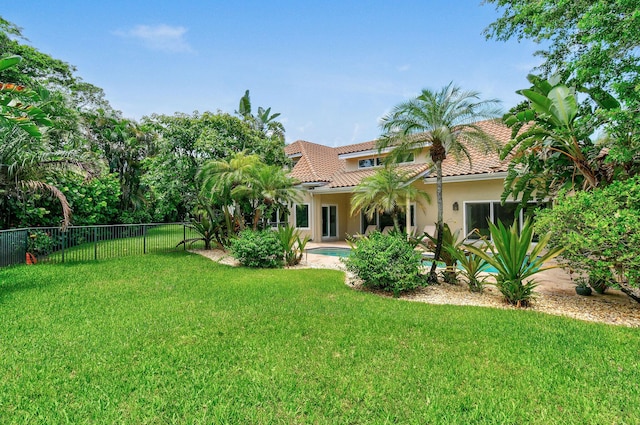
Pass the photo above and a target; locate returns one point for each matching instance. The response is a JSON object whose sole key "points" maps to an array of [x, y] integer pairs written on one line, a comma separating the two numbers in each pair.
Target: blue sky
{"points": [[331, 68]]}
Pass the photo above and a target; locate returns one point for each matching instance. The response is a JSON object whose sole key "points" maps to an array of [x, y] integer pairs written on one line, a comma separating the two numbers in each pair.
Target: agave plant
{"points": [[509, 254]]}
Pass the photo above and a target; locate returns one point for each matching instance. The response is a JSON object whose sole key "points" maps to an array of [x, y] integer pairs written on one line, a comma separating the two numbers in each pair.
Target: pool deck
{"points": [[555, 281]]}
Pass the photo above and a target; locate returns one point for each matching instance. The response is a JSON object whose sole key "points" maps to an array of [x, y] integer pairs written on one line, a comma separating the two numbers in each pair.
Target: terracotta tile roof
{"points": [[319, 163], [352, 178], [481, 162], [358, 147]]}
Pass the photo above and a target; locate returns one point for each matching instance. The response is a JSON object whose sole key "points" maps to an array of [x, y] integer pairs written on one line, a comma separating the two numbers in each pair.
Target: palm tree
{"points": [[264, 121], [269, 188], [446, 118], [385, 191], [219, 178], [22, 160], [23, 165]]}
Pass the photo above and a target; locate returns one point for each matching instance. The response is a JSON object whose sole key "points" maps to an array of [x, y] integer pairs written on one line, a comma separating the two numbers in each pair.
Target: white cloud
{"points": [[159, 37], [404, 68]]}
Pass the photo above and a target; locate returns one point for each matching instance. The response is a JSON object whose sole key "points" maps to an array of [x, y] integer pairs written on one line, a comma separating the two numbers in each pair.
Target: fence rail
{"points": [[82, 243]]}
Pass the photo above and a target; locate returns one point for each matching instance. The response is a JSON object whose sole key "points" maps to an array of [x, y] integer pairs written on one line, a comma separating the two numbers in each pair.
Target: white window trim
{"points": [[491, 214]]}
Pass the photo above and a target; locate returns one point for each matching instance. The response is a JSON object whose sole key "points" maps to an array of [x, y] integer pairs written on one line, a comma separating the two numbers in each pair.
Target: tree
{"points": [[242, 180], [593, 46], [124, 145], [264, 121], [185, 143], [444, 121], [386, 191], [268, 187], [594, 42], [13, 109], [220, 180], [21, 162], [552, 145]]}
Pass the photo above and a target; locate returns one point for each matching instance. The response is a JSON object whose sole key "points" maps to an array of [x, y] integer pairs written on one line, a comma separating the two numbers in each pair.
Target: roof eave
{"points": [[500, 175]]}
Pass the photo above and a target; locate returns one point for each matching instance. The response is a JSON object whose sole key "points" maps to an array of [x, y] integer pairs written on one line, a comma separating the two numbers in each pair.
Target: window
{"points": [[386, 220], [407, 158], [376, 161], [478, 215], [369, 162], [302, 216], [278, 217]]}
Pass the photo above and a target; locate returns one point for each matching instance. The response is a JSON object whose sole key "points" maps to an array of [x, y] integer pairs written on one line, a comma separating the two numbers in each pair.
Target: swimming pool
{"points": [[330, 251], [428, 263]]}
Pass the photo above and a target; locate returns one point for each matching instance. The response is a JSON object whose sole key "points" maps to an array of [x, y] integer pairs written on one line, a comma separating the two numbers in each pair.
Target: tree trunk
{"points": [[633, 293], [433, 276]]}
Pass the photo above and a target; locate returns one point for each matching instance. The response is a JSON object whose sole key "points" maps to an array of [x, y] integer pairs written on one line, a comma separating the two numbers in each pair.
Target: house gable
{"points": [[340, 168]]}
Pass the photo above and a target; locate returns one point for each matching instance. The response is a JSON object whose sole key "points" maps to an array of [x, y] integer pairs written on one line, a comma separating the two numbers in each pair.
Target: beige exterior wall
{"points": [[351, 164], [460, 192], [345, 223]]}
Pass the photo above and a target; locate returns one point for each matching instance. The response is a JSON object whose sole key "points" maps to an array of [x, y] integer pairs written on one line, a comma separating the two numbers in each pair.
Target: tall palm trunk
{"points": [[433, 276]]}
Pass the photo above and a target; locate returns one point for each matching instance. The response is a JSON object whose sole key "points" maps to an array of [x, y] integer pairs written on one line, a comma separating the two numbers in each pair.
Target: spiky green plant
{"points": [[509, 254], [293, 244]]}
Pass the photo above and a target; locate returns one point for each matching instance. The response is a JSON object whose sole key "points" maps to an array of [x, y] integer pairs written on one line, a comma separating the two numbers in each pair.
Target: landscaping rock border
{"points": [[597, 308]]}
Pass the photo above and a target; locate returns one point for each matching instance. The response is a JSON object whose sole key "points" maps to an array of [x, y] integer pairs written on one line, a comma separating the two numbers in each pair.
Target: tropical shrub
{"points": [[39, 244], [509, 254], [292, 244], [600, 231], [386, 262], [258, 248], [450, 248], [209, 228], [472, 265]]}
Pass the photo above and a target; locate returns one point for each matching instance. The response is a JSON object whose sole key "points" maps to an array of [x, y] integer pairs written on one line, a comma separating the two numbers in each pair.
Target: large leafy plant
{"points": [[293, 244], [552, 142], [209, 228], [600, 231], [516, 259], [386, 262]]}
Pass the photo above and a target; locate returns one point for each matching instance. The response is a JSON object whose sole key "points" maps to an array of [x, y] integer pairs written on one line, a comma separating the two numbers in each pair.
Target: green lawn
{"points": [[176, 338]]}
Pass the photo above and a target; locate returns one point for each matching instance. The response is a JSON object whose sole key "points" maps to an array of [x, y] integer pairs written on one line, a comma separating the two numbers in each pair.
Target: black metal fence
{"points": [[82, 243]]}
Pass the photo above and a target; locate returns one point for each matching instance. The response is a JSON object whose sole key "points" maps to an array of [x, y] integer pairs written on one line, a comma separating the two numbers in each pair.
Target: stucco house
{"points": [[329, 176]]}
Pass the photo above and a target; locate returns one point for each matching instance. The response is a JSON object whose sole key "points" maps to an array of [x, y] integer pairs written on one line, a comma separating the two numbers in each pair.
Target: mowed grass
{"points": [[162, 238], [176, 338]]}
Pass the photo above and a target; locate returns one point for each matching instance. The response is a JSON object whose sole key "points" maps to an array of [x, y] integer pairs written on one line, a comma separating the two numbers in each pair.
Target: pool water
{"points": [[488, 269], [332, 252]]}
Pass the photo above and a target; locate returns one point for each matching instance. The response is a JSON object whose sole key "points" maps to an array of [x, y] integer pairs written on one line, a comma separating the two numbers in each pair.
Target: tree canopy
{"points": [[594, 42]]}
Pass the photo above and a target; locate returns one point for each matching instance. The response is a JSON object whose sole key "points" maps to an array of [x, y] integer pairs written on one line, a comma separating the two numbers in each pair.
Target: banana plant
{"points": [[548, 131]]}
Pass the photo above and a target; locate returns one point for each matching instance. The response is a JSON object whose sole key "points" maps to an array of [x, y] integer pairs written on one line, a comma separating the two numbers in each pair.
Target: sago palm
{"points": [[445, 121], [385, 191], [219, 178], [267, 187]]}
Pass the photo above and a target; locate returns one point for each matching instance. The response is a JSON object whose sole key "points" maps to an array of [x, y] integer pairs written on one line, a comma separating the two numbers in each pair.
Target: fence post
{"points": [[64, 239], [95, 242], [26, 246], [144, 238], [184, 236]]}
